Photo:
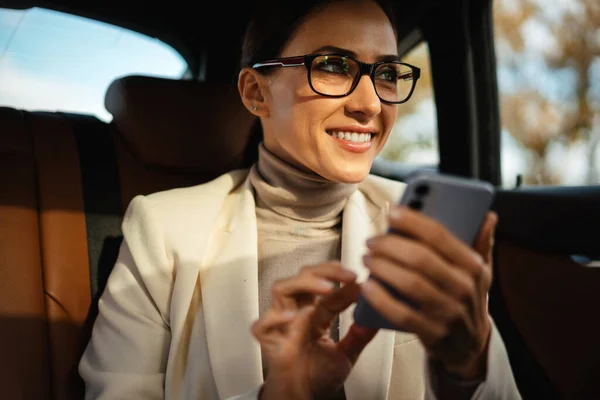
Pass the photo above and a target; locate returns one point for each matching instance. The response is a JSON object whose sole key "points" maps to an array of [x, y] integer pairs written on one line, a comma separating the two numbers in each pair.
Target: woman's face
{"points": [[299, 123]]}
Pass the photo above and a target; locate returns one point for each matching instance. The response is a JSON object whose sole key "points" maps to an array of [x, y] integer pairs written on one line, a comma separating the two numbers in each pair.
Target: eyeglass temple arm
{"points": [[281, 62], [414, 75]]}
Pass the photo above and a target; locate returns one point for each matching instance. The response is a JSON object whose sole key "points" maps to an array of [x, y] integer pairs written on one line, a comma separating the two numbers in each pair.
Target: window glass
{"points": [[413, 139], [548, 60], [59, 62]]}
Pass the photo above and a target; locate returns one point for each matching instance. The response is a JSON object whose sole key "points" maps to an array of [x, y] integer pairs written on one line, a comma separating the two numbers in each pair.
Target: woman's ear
{"points": [[250, 86]]}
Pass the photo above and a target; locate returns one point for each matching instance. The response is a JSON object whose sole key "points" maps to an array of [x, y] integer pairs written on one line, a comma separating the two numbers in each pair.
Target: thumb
{"points": [[355, 341], [334, 303], [485, 241]]}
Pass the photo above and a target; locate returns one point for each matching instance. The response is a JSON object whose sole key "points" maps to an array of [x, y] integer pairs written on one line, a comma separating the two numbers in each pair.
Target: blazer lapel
{"points": [[229, 290], [229, 283], [370, 377]]}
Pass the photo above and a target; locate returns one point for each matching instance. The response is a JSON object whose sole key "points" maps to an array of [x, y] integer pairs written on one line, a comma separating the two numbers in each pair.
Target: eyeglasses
{"points": [[335, 75]]}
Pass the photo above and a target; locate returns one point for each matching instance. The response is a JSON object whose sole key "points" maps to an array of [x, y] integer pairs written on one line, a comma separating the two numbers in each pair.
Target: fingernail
{"points": [[349, 274], [478, 258], [306, 310], [395, 213], [288, 314], [367, 286], [366, 259], [325, 284], [370, 242]]}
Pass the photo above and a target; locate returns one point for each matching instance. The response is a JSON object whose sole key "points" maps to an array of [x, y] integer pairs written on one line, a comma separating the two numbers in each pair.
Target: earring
{"points": [[253, 107]]}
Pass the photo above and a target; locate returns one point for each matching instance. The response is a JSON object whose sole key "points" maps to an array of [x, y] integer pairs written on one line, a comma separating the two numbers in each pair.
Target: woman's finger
{"points": [[286, 292], [332, 270], [302, 326], [310, 282], [425, 229], [331, 305], [417, 288], [270, 327], [402, 315], [423, 260], [485, 239]]}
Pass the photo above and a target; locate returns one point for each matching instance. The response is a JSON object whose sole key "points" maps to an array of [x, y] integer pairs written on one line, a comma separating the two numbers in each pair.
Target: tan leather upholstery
{"points": [[166, 134], [171, 124], [24, 366], [138, 178], [64, 248], [170, 133]]}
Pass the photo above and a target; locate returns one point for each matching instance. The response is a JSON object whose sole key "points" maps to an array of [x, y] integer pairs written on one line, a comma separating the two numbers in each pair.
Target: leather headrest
{"points": [[184, 125]]}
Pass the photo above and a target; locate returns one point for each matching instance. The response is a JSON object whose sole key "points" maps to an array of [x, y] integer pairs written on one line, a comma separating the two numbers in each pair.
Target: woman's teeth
{"points": [[352, 136]]}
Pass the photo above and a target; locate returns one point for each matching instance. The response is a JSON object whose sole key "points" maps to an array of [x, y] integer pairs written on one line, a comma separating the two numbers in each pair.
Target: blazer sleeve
{"points": [[127, 355], [499, 383]]}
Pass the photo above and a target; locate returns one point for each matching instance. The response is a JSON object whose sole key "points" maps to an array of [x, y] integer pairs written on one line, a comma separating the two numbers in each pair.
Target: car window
{"points": [[60, 62], [548, 61], [413, 139]]}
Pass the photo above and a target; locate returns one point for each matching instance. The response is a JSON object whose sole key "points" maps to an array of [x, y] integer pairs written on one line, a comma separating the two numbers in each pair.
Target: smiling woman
{"points": [[242, 287], [53, 61], [299, 106]]}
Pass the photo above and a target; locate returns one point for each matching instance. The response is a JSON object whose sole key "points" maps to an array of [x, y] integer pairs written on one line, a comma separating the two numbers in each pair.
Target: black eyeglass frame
{"points": [[364, 68]]}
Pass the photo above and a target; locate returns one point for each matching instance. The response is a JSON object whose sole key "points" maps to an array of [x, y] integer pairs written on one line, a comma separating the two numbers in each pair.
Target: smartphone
{"points": [[460, 204]]}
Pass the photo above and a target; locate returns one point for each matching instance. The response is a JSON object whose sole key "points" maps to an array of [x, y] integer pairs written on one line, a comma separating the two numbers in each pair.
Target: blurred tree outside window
{"points": [[548, 64], [548, 60]]}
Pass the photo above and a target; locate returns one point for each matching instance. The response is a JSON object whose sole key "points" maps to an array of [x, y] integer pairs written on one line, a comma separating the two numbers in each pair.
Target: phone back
{"points": [[457, 203]]}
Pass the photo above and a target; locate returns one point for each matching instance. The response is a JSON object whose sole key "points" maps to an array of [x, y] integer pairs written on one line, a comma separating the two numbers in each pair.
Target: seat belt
{"points": [[101, 195]]}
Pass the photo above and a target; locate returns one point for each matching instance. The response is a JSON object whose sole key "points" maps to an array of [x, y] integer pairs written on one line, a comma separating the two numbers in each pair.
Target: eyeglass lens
{"points": [[336, 76]]}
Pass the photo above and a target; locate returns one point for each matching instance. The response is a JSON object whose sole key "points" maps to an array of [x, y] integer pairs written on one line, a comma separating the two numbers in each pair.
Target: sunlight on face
{"points": [[303, 127]]}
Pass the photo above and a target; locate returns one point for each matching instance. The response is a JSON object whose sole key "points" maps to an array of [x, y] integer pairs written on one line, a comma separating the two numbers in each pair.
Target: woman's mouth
{"points": [[353, 142], [353, 137]]}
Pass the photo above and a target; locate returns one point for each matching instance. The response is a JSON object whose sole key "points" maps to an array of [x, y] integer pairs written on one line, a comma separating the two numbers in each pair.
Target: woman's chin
{"points": [[348, 175]]}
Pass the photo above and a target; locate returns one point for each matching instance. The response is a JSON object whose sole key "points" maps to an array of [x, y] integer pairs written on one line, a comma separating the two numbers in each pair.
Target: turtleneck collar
{"points": [[295, 194]]}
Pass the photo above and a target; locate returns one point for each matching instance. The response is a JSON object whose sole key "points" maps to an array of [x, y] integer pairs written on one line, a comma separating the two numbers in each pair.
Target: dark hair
{"points": [[271, 26], [274, 22]]}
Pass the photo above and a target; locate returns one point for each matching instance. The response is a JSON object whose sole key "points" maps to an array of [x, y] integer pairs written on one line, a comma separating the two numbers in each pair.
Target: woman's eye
{"points": [[335, 66], [390, 75]]}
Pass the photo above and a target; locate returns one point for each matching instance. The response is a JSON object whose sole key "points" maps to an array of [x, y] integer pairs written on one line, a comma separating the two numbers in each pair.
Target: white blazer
{"points": [[174, 320]]}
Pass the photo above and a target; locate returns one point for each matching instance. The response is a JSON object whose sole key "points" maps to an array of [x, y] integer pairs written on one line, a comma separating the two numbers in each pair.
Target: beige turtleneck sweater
{"points": [[299, 217]]}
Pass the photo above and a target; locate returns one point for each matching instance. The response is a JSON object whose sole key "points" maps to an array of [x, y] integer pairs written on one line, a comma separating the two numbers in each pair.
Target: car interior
{"points": [[67, 178]]}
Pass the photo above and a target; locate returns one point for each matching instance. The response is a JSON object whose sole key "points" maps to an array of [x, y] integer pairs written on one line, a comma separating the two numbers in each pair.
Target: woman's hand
{"points": [[449, 281], [303, 361]]}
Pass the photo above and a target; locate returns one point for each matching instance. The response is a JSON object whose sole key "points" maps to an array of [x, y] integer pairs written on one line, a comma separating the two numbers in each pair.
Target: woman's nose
{"points": [[364, 99]]}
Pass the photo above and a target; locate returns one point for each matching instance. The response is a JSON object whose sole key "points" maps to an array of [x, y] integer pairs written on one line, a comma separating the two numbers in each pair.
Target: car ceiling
{"points": [[194, 29]]}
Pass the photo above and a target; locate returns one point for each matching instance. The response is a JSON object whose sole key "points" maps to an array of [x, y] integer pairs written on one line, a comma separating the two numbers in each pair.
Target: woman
{"points": [[236, 288]]}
